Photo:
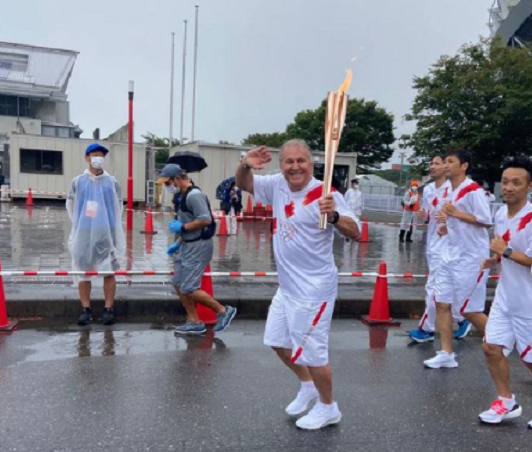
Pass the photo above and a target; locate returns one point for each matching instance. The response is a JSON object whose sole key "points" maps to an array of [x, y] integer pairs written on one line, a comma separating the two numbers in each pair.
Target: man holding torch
{"points": [[300, 315]]}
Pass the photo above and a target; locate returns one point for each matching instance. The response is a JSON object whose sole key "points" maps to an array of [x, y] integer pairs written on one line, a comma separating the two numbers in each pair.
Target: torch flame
{"points": [[347, 82]]}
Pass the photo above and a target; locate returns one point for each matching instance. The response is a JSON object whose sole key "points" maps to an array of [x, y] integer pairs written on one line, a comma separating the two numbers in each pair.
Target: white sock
{"points": [[508, 403], [307, 385]]}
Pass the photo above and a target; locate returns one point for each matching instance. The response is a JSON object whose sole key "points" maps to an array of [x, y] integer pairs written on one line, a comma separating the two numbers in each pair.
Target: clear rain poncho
{"points": [[94, 205]]}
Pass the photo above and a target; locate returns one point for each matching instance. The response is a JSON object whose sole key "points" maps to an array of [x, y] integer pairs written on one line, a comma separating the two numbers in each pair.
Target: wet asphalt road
{"points": [[138, 388]]}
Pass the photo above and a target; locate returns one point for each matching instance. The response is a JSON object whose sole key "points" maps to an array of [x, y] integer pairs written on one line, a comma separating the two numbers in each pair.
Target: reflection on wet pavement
{"points": [[37, 239]]}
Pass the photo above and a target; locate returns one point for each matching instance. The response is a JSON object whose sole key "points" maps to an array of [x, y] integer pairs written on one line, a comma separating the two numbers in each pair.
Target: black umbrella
{"points": [[190, 161], [224, 185]]}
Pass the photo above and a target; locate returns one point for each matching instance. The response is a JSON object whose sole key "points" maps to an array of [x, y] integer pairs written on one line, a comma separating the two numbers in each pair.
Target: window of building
{"points": [[41, 162], [14, 106], [13, 62], [56, 131]]}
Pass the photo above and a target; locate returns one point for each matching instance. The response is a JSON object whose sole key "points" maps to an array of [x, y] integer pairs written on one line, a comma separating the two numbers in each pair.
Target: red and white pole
{"points": [[130, 160]]}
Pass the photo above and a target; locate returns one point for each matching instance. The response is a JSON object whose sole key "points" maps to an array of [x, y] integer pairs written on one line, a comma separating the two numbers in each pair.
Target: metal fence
{"points": [[392, 204]]}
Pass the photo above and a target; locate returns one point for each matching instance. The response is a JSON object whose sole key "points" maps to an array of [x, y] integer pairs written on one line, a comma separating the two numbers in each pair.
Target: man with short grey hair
{"points": [[300, 315], [195, 226]]}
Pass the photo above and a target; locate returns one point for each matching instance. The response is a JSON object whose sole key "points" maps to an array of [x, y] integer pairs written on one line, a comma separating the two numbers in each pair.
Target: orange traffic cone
{"points": [[205, 314], [248, 214], [364, 237], [379, 312], [249, 207], [5, 325], [29, 199], [223, 225], [148, 225]]}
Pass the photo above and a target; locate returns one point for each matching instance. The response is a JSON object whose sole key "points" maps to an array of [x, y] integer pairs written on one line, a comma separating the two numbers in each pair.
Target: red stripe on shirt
{"points": [[469, 189], [506, 237], [314, 194], [524, 221]]}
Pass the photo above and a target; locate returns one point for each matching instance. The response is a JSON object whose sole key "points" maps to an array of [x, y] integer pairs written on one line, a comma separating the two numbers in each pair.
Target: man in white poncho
{"points": [[96, 240]]}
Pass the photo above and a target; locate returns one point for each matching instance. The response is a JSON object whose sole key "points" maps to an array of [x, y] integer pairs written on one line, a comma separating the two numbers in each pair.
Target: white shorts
{"points": [[464, 289], [509, 332], [289, 321]]}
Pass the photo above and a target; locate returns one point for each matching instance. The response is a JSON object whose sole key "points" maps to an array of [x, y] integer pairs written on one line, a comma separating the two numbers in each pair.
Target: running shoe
{"points": [[421, 336], [190, 328], [320, 416], [304, 399], [498, 412], [442, 359], [464, 327], [224, 319]]}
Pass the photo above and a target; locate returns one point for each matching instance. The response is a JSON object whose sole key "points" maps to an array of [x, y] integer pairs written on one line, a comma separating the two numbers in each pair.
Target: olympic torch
{"points": [[334, 123]]}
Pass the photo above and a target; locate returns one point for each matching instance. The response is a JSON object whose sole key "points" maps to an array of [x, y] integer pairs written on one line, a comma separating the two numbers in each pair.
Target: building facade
{"points": [[223, 160], [40, 147]]}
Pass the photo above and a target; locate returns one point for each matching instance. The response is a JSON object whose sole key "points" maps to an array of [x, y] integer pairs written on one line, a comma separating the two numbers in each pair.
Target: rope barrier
{"points": [[19, 273]]}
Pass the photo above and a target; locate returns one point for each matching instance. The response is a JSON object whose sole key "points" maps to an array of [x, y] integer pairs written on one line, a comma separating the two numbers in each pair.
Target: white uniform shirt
{"points": [[468, 244], [433, 200], [514, 290], [353, 198], [303, 252]]}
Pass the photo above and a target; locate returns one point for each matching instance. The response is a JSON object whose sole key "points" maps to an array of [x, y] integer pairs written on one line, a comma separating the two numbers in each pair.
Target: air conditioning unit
{"points": [[150, 193]]}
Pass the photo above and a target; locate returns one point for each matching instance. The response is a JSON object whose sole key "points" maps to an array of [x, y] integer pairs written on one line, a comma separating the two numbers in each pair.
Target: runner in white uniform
{"points": [[308, 277], [465, 220], [510, 320], [435, 195]]}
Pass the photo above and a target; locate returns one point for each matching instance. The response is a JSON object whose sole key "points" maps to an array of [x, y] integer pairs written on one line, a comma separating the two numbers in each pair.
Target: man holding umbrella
{"points": [[196, 227]]}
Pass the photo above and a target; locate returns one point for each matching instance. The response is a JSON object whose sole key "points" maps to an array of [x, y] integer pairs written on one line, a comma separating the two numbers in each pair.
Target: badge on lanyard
{"points": [[91, 209]]}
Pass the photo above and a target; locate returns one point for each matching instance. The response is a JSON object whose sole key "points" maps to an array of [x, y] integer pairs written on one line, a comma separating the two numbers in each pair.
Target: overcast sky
{"points": [[260, 61]]}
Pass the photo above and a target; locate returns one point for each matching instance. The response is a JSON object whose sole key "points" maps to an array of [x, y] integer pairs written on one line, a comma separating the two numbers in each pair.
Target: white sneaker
{"points": [[530, 425], [320, 416], [499, 411], [442, 359], [305, 397]]}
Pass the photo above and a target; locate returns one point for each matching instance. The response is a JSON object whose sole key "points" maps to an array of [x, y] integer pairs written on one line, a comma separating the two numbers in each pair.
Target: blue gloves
{"points": [[173, 248], [175, 226]]}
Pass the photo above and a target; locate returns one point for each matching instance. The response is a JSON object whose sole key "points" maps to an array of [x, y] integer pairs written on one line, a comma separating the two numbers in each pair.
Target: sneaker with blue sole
{"points": [[464, 327], [190, 328], [421, 336], [224, 319]]}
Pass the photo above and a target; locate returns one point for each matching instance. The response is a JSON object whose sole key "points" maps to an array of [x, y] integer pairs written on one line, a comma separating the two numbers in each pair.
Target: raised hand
{"points": [[257, 158]]}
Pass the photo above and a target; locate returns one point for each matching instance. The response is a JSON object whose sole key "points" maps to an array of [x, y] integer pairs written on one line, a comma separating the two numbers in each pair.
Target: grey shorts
{"points": [[189, 265]]}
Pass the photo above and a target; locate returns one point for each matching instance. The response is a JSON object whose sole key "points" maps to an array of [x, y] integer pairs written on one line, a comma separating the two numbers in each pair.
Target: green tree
{"points": [[161, 155], [368, 131], [479, 99], [274, 140]]}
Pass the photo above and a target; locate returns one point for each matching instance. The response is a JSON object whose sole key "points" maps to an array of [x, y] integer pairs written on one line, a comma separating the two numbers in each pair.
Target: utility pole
{"points": [[171, 133], [183, 84], [195, 75]]}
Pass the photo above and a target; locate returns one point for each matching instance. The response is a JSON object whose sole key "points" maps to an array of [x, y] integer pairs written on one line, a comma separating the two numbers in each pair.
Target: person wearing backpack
{"points": [[195, 226]]}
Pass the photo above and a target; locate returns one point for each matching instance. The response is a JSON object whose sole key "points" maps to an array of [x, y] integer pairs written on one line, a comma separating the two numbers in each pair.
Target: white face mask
{"points": [[171, 189], [97, 162], [414, 189]]}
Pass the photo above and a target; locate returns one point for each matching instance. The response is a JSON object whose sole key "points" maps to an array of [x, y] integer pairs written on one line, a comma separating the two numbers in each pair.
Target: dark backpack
{"points": [[208, 231]]}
